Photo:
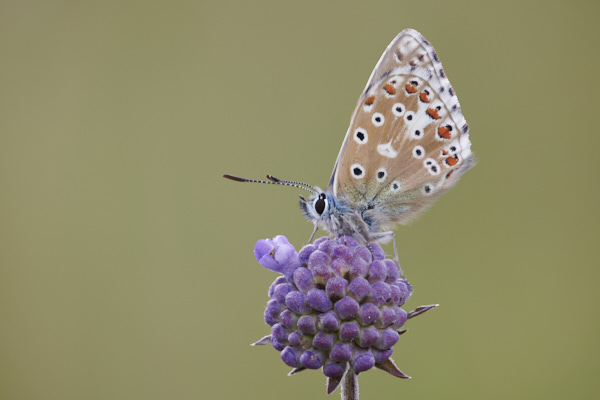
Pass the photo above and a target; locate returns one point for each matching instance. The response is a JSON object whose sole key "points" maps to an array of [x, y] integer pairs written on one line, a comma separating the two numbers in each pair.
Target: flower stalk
{"points": [[349, 386]]}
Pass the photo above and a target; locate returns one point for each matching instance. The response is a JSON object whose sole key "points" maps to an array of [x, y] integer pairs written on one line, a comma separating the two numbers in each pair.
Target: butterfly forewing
{"points": [[408, 49], [408, 141]]}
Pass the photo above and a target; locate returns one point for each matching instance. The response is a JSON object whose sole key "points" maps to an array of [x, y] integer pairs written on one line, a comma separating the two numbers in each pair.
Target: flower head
{"points": [[337, 306]]}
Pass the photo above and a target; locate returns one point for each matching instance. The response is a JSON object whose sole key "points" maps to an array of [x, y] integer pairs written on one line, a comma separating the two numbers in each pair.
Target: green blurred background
{"points": [[126, 265]]}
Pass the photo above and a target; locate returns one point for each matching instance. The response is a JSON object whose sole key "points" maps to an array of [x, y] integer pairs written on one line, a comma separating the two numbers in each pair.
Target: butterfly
{"points": [[407, 144]]}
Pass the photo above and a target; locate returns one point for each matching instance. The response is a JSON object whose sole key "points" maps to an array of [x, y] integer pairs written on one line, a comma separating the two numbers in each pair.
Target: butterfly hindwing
{"points": [[407, 142]]}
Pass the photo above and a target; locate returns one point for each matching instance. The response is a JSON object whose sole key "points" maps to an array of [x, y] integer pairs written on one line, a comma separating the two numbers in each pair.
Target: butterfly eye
{"points": [[320, 203]]}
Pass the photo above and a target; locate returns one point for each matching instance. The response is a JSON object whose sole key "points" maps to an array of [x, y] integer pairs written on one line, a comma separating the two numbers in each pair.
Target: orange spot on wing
{"points": [[444, 132], [449, 173], [423, 97], [444, 153], [370, 100], [411, 89], [433, 113], [452, 161], [389, 89]]}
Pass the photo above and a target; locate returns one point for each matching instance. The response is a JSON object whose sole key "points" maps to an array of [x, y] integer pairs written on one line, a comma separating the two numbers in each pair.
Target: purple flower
{"points": [[277, 254], [336, 307]]}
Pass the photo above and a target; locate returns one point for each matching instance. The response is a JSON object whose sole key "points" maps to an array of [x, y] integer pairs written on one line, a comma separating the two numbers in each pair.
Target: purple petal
{"points": [[364, 253], [291, 356], [393, 272], [262, 248], [296, 339], [378, 271], [295, 301], [401, 317], [388, 339], [276, 254], [329, 321], [368, 337], [346, 308], [277, 345], [368, 314], [377, 251], [342, 252], [382, 356], [285, 253], [349, 331], [312, 359], [323, 341], [380, 293], [288, 319], [318, 300], [341, 352], [336, 287], [279, 332], [305, 253], [307, 324], [359, 288], [281, 240], [387, 318], [364, 361], [303, 279], [334, 370]]}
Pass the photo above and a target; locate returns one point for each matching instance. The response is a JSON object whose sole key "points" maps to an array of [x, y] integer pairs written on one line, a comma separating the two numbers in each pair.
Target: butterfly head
{"points": [[318, 206], [316, 209]]}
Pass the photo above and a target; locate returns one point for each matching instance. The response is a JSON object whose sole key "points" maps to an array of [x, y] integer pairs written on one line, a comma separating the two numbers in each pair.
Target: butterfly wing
{"points": [[408, 141]]}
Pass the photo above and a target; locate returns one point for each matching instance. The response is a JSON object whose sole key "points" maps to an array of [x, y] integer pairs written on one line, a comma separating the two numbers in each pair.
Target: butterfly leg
{"points": [[393, 235], [396, 255], [313, 234]]}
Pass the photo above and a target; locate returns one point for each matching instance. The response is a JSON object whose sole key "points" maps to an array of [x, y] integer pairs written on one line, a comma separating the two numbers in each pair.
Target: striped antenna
{"points": [[275, 181]]}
